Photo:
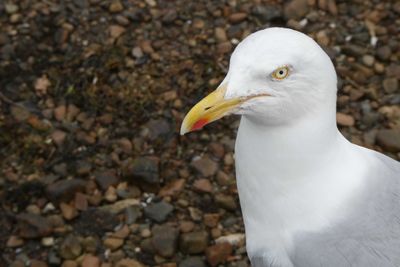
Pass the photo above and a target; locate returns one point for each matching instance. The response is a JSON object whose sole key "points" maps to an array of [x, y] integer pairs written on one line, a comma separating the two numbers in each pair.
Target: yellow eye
{"points": [[281, 73]]}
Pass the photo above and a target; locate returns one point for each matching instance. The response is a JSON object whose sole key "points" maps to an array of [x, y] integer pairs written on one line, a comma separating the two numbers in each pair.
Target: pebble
{"points": [[116, 31], [47, 241], [64, 190], [344, 119], [389, 139], [194, 242], [70, 248], [205, 166], [296, 9], [31, 225], [220, 34], [38, 263], [14, 241], [390, 85], [145, 169], [237, 17], [383, 52], [368, 60], [226, 202], [203, 186], [120, 206], [90, 261], [69, 212], [192, 262], [128, 263], [233, 239], [158, 211], [11, 8], [113, 243], [211, 219], [59, 112], [172, 188], [116, 6], [218, 253], [165, 240], [69, 263]]}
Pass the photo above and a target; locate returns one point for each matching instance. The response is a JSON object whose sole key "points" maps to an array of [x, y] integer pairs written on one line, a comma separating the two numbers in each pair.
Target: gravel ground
{"points": [[92, 94]]}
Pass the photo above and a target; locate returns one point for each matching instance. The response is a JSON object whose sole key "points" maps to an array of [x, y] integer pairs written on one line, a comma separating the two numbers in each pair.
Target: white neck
{"points": [[288, 177]]}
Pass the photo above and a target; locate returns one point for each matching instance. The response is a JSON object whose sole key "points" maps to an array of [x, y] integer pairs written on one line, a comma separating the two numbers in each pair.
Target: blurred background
{"points": [[92, 94]]}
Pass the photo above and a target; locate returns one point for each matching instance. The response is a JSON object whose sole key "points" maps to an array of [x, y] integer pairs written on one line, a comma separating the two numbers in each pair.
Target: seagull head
{"points": [[276, 76]]}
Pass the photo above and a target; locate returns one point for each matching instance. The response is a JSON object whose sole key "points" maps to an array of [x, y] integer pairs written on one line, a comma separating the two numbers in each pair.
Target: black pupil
{"points": [[281, 72]]}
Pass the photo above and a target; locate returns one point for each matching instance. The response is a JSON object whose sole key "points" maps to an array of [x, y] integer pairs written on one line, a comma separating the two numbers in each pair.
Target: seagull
{"points": [[309, 197]]}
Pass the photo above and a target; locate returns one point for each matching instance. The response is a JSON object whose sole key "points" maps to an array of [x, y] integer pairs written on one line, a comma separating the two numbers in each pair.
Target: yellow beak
{"points": [[211, 108]]}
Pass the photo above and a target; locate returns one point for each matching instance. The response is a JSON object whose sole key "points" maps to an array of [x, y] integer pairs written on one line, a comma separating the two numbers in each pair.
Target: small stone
{"points": [[169, 16], [145, 233], [17, 263], [11, 8], [237, 17], [59, 112], [226, 202], [205, 166], [137, 52], [47, 241], [41, 85], [20, 113], [111, 194], [224, 179], [116, 31], [58, 137], [165, 240], [33, 226], [64, 190], [383, 52], [120, 206], [296, 9], [106, 179], [158, 211], [69, 212], [194, 242], [192, 262], [90, 261], [267, 12], [344, 119], [146, 46], [14, 241], [224, 47], [211, 219], [390, 85], [389, 139], [368, 60], [116, 6], [122, 233], [128, 263], [80, 201], [186, 226], [69, 263], [218, 253], [70, 248], [203, 186], [144, 169], [233, 239], [113, 243], [37, 263], [83, 167], [172, 188], [220, 35]]}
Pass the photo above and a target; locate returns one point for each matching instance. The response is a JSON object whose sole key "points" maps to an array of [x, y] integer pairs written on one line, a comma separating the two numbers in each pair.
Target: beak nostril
{"points": [[207, 108]]}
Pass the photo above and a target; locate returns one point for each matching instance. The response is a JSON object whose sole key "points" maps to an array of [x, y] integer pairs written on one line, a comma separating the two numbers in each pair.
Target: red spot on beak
{"points": [[199, 124]]}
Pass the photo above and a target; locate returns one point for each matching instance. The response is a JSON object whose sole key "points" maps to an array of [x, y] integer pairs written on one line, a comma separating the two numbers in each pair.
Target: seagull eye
{"points": [[281, 73]]}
